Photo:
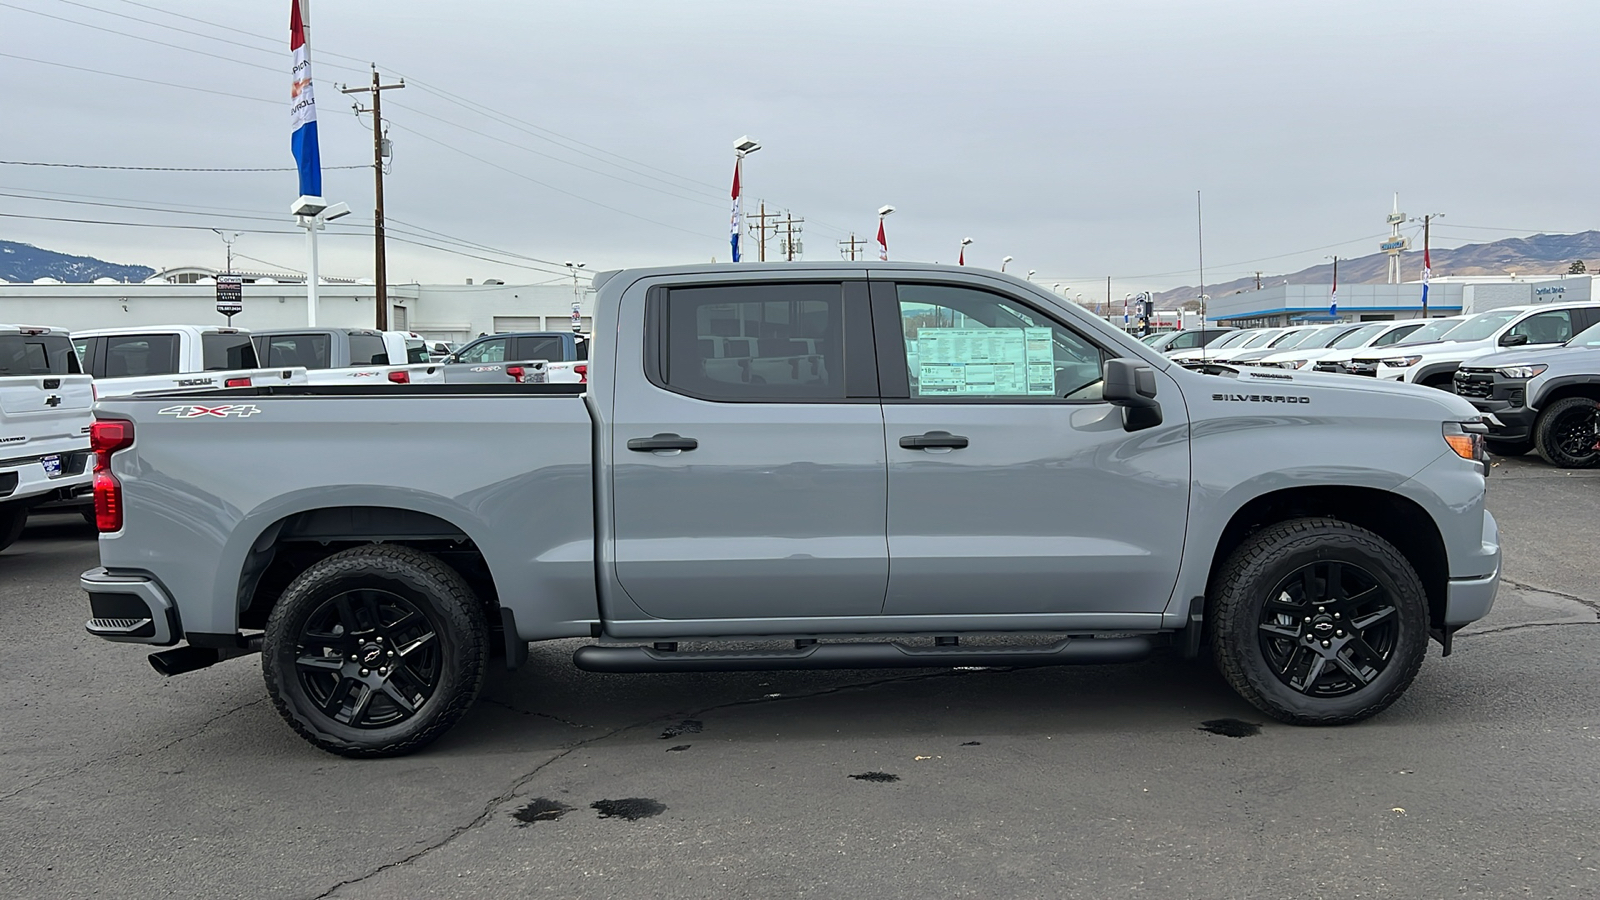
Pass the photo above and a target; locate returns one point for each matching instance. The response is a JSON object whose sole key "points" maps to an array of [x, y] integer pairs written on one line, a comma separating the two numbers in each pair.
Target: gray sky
{"points": [[1072, 136]]}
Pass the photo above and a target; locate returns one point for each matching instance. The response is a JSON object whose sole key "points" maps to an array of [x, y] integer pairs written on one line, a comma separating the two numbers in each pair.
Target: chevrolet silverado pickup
{"points": [[798, 466], [44, 425], [168, 357]]}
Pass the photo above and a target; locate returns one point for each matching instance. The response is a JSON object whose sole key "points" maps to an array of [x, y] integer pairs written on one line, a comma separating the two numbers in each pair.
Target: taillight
{"points": [[106, 437], [583, 373], [236, 382], [400, 377], [515, 372]]}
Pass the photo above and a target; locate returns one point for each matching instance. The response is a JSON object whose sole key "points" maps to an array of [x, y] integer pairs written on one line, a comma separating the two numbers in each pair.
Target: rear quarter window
{"points": [[368, 350], [223, 352]]}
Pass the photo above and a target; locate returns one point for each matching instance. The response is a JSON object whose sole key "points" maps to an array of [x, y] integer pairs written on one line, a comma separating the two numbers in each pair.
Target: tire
{"points": [[1565, 433], [1273, 592], [13, 518], [326, 655], [89, 518], [1509, 448]]}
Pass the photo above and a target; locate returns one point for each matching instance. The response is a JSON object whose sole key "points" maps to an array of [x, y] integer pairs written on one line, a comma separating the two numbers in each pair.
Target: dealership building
{"points": [[1298, 304]]}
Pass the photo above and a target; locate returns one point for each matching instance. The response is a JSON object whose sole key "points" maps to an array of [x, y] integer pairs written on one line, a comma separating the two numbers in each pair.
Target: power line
{"points": [[181, 87], [320, 52], [14, 162], [138, 37]]}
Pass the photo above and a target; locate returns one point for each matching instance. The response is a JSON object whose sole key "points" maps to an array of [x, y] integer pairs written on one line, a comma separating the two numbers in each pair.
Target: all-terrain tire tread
{"points": [[466, 613], [1245, 564]]}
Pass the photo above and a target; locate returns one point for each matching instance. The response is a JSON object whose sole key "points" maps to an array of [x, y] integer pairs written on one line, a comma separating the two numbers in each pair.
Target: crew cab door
{"points": [[1013, 487], [747, 454]]}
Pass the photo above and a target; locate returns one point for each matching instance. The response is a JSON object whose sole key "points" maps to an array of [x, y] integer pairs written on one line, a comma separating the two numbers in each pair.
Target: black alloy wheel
{"points": [[1568, 433], [1318, 622], [368, 658], [1328, 629], [375, 651]]}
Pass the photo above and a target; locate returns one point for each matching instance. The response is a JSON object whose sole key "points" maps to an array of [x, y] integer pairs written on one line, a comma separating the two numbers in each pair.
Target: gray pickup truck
{"points": [[1546, 398], [798, 466]]}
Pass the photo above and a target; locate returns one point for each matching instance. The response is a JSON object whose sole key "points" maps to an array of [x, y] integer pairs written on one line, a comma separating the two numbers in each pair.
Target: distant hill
{"points": [[24, 263], [1541, 254]]}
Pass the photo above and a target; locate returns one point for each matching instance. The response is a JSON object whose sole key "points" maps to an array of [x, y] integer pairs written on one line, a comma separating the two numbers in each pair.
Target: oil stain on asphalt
{"points": [[878, 777], [540, 810], [1236, 728], [687, 726], [630, 808], [679, 748]]}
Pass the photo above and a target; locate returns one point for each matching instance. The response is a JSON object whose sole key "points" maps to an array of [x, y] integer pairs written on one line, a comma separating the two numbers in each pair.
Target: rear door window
{"points": [[776, 342], [416, 351], [297, 350], [223, 352], [136, 355], [367, 349], [490, 351], [549, 348]]}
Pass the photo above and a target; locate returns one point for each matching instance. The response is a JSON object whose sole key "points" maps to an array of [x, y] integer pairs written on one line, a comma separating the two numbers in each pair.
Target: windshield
{"points": [[1261, 338], [1231, 339], [1151, 338], [1482, 325], [1291, 339], [1323, 337], [1359, 337], [1432, 331], [1589, 338]]}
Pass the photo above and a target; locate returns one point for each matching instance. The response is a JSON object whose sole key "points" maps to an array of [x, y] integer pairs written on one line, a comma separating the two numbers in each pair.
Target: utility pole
{"points": [[1427, 259], [791, 231], [761, 228], [847, 249], [228, 238], [379, 143], [1258, 281]]}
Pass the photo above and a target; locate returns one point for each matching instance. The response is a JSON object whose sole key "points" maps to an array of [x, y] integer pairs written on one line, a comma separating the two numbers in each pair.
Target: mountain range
{"points": [[1540, 254], [24, 263]]}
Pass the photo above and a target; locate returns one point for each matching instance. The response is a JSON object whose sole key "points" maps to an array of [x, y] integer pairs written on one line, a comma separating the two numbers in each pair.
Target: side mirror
{"points": [[1133, 387], [1513, 340]]}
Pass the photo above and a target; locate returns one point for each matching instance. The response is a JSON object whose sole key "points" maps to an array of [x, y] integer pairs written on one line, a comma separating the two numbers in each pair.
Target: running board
{"points": [[1066, 652]]}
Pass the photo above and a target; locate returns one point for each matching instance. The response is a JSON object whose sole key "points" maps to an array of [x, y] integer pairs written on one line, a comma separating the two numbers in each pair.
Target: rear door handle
{"points": [[665, 441], [933, 439]]}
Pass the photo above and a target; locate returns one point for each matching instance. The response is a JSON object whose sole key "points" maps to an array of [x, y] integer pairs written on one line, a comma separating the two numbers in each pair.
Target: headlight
{"points": [[1292, 364], [1520, 371], [1401, 362]]}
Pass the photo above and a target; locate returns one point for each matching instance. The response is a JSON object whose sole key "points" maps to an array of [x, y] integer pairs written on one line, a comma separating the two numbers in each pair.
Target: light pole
{"points": [[961, 260], [577, 297], [883, 240], [741, 148], [1031, 273], [313, 215], [1004, 261], [227, 239]]}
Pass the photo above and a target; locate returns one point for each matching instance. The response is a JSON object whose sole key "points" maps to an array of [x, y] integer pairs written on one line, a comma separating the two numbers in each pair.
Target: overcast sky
{"points": [[1072, 136]]}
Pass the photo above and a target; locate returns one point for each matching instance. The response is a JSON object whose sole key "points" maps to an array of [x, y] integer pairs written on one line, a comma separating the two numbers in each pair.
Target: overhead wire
{"points": [[51, 165], [170, 84], [139, 37]]}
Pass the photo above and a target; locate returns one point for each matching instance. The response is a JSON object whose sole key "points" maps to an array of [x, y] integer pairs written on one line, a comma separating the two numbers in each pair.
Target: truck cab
{"points": [[160, 357]]}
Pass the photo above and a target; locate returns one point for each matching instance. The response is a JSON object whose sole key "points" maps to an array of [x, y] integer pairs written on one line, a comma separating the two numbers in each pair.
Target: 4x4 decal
{"points": [[236, 410]]}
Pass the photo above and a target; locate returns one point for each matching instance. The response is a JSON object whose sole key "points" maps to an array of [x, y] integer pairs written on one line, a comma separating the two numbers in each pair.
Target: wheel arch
{"points": [[1568, 386], [1394, 517]]}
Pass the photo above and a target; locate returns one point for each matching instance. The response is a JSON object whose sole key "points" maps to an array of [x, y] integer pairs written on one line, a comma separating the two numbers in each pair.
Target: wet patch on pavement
{"points": [[876, 777], [1234, 728], [629, 808], [687, 726], [679, 748], [540, 809]]}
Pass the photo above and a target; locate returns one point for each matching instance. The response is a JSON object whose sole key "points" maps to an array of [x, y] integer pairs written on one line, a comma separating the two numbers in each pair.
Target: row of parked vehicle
{"points": [[1526, 368], [50, 379]]}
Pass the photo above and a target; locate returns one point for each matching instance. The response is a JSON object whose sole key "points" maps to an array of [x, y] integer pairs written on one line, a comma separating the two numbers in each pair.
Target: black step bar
{"points": [[1065, 652]]}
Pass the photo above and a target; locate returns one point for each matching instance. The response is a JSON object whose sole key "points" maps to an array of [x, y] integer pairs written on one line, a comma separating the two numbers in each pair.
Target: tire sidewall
{"points": [[1260, 576], [13, 518], [452, 626], [1545, 430]]}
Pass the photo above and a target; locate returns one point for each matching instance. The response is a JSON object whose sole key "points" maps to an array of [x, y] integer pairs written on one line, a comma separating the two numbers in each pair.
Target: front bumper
{"points": [[1506, 422], [130, 609], [1470, 599]]}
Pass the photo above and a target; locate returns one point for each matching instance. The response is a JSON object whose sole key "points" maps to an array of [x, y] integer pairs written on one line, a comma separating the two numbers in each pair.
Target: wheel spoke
{"points": [[1283, 631], [1308, 586], [363, 700], [400, 699], [335, 701], [320, 663], [1355, 600], [1362, 623], [1289, 660], [1331, 592], [347, 614], [1318, 664], [1351, 670], [1368, 655], [414, 643]]}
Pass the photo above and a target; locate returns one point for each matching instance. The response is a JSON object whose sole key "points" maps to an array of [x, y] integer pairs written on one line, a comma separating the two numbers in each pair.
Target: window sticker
{"points": [[983, 362]]}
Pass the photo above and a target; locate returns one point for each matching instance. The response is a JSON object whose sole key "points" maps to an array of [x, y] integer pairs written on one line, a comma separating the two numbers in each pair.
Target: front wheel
{"points": [[375, 651], [1568, 433], [1319, 622]]}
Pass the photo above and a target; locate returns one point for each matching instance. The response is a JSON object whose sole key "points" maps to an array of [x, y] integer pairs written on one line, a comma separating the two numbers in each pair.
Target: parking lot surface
{"points": [[1144, 780]]}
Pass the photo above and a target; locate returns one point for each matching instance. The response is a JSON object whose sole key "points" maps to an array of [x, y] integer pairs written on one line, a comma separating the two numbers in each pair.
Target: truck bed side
{"points": [[224, 482]]}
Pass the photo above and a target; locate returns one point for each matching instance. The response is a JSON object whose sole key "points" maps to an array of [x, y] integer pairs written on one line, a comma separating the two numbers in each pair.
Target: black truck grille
{"points": [[1474, 384]]}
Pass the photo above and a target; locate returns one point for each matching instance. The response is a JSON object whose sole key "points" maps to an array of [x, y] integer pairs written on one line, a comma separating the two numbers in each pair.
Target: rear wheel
{"points": [[1568, 433], [375, 651], [1319, 622], [13, 518]]}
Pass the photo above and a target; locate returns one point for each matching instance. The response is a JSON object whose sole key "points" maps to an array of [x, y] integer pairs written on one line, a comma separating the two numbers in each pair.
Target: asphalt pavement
{"points": [[1144, 780]]}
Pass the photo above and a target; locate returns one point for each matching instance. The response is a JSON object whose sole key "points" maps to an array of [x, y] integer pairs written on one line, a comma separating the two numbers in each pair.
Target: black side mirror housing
{"points": [[1132, 386], [1513, 340]]}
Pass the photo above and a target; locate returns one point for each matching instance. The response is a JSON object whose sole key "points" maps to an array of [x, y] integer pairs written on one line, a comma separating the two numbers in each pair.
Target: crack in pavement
{"points": [[1592, 604], [528, 712], [1521, 625], [522, 781], [81, 767]]}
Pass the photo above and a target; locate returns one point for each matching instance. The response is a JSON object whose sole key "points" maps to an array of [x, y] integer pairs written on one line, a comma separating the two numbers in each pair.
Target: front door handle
{"points": [[933, 439], [666, 441]]}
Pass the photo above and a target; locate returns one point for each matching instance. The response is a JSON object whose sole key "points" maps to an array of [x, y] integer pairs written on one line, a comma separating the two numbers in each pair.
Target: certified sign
{"points": [[230, 294]]}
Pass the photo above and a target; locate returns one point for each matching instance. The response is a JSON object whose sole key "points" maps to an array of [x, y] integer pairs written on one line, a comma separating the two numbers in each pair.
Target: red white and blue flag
{"points": [[1427, 269], [883, 242], [736, 222], [1333, 304], [303, 109]]}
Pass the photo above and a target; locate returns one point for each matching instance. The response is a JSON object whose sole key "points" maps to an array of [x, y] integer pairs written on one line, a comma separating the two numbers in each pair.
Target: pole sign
{"points": [[230, 295], [577, 318]]}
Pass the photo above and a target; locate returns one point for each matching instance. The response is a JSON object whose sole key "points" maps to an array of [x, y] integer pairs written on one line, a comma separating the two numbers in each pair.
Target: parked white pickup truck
{"points": [[45, 403], [127, 361]]}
